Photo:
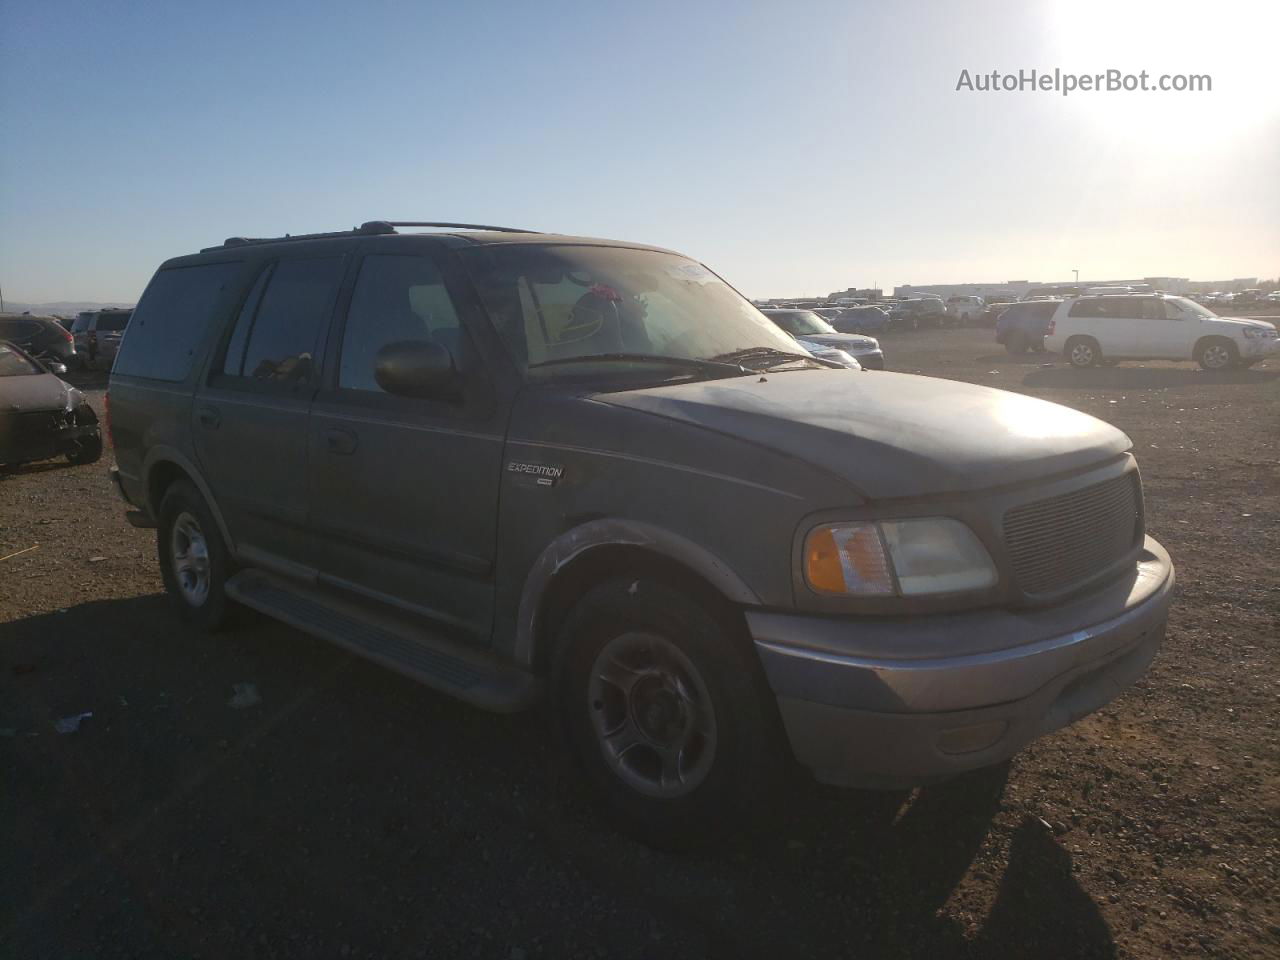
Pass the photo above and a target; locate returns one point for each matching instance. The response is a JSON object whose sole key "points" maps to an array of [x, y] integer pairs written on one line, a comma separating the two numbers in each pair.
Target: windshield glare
{"points": [[551, 303], [801, 322], [14, 364], [1191, 307]]}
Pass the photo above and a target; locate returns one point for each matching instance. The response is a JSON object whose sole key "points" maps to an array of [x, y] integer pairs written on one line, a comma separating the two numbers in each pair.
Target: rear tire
{"points": [[666, 713], [194, 560], [1216, 354], [1082, 352]]}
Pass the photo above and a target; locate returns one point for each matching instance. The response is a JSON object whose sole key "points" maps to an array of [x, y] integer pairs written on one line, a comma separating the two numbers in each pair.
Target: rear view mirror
{"points": [[417, 368], [59, 369]]}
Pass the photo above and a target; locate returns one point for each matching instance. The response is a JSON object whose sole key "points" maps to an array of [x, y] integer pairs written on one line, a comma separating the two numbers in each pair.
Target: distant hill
{"points": [[62, 308]]}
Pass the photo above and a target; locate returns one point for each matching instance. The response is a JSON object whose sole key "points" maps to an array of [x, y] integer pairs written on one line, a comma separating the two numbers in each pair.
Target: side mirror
{"points": [[417, 368], [59, 369]]}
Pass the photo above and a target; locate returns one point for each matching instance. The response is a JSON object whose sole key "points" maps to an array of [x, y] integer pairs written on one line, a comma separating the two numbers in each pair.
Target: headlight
{"points": [[896, 558], [1254, 333]]}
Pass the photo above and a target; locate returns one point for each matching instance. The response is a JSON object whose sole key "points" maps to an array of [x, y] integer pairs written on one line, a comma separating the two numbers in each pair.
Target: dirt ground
{"points": [[351, 813]]}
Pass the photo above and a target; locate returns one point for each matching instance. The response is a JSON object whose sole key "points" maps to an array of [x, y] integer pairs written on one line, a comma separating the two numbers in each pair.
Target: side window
{"points": [[285, 328], [396, 298], [1171, 310], [1126, 307], [1087, 307], [1152, 309], [170, 321], [233, 361]]}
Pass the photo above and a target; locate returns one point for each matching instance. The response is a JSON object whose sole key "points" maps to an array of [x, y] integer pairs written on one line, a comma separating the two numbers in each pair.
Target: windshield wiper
{"points": [[714, 367], [765, 357]]}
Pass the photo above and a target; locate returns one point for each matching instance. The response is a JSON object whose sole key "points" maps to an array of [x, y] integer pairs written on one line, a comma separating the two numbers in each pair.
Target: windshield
{"points": [[554, 303], [14, 364], [1191, 307], [801, 322]]}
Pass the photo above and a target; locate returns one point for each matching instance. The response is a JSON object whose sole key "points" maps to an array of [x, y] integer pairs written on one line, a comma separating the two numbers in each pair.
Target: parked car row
{"points": [[97, 335]]}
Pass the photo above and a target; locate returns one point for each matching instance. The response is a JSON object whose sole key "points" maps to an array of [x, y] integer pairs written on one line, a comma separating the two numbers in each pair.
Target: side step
{"points": [[471, 675]]}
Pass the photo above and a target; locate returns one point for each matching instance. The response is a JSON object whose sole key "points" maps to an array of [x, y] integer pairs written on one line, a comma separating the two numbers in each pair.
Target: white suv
{"points": [[1093, 330], [964, 309]]}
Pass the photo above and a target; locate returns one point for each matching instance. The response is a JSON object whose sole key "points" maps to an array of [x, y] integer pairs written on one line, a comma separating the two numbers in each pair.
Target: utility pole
{"points": [[1077, 273]]}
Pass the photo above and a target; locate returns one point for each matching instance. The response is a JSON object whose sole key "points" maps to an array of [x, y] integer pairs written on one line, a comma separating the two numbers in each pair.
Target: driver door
{"points": [[404, 490]]}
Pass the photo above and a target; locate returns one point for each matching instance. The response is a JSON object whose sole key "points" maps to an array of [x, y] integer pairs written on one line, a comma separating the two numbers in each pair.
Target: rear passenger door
{"points": [[405, 489], [250, 418]]}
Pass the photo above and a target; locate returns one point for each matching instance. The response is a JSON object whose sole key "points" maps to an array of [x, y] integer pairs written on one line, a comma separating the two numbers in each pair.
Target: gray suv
{"points": [[522, 467]]}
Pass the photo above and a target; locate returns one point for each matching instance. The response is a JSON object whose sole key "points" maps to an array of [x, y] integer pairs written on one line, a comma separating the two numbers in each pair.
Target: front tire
{"points": [[1083, 352], [666, 713], [88, 450], [1216, 354], [194, 560]]}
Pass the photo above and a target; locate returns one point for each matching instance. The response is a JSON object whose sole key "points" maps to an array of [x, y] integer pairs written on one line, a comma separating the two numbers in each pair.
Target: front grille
{"points": [[1063, 540], [32, 425]]}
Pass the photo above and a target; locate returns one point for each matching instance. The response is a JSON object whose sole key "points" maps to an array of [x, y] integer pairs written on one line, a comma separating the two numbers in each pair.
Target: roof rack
{"points": [[375, 226], [368, 228]]}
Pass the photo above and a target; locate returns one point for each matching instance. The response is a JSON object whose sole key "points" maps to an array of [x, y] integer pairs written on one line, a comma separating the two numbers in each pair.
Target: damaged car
{"points": [[42, 417]]}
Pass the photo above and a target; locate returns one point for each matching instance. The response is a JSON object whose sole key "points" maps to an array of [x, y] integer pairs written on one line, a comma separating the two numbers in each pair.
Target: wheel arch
{"points": [[1207, 339], [600, 550], [165, 466]]}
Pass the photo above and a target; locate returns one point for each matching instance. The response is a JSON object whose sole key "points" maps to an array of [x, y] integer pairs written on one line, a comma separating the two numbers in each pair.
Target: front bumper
{"points": [[896, 702], [871, 359], [1255, 348], [23, 444]]}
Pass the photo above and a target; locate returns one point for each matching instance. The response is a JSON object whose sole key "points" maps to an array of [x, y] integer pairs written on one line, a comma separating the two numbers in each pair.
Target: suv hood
{"points": [[1237, 323], [890, 434], [33, 393]]}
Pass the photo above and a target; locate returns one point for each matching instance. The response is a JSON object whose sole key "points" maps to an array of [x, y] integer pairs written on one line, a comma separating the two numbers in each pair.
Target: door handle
{"points": [[341, 442], [209, 417]]}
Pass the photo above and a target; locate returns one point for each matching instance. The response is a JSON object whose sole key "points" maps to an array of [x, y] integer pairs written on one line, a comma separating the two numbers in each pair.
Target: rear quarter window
{"points": [[170, 321]]}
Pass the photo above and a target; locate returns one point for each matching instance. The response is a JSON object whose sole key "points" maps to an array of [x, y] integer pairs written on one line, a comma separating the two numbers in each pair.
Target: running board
{"points": [[471, 675]]}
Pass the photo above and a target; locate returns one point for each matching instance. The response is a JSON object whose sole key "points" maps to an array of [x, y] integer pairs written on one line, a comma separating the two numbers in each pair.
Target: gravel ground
{"points": [[349, 812]]}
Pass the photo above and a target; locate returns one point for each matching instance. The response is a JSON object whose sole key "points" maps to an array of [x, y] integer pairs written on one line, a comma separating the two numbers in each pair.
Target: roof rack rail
{"points": [[376, 226], [368, 228]]}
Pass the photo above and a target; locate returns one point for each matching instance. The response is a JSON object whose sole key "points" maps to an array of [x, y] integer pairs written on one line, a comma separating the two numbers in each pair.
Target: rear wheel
{"points": [[666, 712], [194, 561], [1218, 353], [1083, 352]]}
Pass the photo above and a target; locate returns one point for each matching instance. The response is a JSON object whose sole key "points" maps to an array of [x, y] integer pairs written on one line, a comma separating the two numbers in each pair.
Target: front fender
{"points": [[616, 532]]}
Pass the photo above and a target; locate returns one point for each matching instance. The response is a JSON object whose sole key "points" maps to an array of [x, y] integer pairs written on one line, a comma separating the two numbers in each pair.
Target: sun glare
{"points": [[1232, 41]]}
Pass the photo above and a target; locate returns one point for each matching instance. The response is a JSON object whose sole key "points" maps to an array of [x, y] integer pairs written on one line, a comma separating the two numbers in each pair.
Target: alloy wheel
{"points": [[652, 714]]}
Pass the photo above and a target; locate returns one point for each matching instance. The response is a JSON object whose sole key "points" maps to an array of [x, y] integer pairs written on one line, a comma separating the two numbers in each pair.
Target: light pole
{"points": [[1077, 273]]}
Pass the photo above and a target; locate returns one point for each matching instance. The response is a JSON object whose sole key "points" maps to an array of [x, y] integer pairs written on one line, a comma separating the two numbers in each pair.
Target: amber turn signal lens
{"points": [[845, 559]]}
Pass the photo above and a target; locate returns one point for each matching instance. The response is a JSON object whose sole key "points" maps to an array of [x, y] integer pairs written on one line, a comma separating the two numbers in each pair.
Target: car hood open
{"points": [[891, 434], [33, 393]]}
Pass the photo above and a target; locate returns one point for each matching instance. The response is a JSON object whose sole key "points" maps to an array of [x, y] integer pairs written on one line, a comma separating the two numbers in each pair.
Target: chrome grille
{"points": [[1063, 540]]}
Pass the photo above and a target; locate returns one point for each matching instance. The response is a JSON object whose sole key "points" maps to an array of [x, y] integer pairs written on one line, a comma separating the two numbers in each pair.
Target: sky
{"points": [[797, 148]]}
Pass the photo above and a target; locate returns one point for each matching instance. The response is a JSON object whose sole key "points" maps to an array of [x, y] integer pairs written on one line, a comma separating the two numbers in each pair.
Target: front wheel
{"points": [[666, 712], [1218, 354], [88, 450]]}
